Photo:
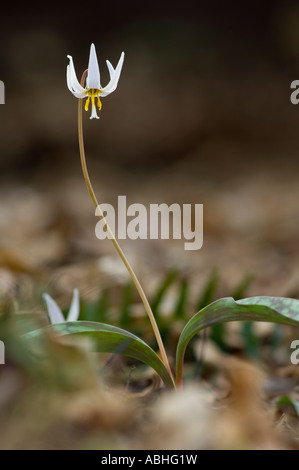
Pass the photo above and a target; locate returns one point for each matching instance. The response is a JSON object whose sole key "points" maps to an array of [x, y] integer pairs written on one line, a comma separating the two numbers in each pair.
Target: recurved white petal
{"points": [[71, 77], [54, 312], [115, 77], [74, 310], [82, 94], [110, 68], [93, 75]]}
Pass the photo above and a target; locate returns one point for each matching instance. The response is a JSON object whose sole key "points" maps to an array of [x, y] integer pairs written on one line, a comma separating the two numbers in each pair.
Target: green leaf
{"points": [[286, 400], [267, 309], [111, 340], [181, 305]]}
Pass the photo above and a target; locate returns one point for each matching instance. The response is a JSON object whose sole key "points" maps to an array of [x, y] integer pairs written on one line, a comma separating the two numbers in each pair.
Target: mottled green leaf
{"points": [[267, 309], [111, 340]]}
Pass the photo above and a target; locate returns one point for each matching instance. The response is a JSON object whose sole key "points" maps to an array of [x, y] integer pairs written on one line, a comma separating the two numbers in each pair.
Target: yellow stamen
{"points": [[93, 93], [92, 97], [87, 103]]}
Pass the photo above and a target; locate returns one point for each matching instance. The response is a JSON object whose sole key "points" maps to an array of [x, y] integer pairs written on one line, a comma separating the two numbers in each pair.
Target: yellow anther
{"points": [[87, 103]]}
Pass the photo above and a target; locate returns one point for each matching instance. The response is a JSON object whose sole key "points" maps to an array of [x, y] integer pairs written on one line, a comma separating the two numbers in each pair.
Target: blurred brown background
{"points": [[202, 114]]}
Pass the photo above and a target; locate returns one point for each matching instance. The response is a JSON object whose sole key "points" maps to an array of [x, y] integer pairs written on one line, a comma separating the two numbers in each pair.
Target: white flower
{"points": [[93, 88], [56, 315]]}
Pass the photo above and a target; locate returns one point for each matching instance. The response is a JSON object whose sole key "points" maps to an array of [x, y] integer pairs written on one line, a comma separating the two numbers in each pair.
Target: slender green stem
{"points": [[114, 241]]}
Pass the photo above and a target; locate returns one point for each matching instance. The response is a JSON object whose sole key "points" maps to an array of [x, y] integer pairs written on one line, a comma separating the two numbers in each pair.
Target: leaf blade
{"points": [[269, 309], [112, 339]]}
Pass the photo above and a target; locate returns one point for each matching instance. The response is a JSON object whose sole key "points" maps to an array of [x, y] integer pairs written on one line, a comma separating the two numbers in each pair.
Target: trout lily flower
{"points": [[56, 315], [93, 89]]}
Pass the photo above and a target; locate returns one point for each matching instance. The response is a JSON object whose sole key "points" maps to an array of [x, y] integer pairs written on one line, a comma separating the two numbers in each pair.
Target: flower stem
{"points": [[115, 242]]}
